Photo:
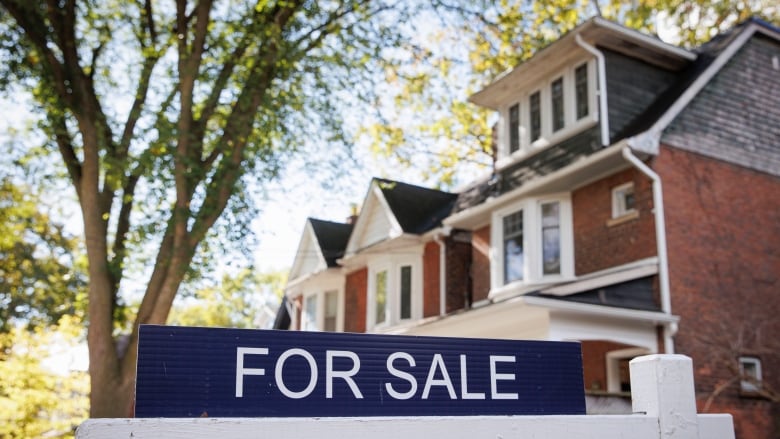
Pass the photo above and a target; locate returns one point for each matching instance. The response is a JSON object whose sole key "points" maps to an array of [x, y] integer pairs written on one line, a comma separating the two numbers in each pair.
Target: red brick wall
{"points": [[723, 237], [480, 264], [458, 265], [597, 245], [431, 279], [355, 293]]}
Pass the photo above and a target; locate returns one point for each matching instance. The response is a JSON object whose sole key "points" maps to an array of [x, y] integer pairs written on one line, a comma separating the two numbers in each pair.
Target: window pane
{"points": [[381, 297], [551, 238], [406, 292], [581, 90], [514, 128], [556, 90], [536, 116], [513, 247], [309, 316], [331, 310]]}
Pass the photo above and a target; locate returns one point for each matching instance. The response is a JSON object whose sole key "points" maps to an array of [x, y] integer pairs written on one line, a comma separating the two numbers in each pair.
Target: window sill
{"points": [[630, 216]]}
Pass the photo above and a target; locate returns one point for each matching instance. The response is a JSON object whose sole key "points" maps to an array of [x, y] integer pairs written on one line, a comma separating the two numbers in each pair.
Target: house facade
{"points": [[634, 207]]}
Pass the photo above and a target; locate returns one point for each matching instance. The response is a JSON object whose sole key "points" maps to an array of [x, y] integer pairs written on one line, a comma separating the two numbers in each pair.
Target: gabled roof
{"points": [[393, 208], [332, 238], [322, 244]]}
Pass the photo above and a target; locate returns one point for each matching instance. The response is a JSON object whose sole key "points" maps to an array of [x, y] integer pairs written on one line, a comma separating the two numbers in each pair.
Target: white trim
{"points": [[603, 117], [746, 385], [392, 263], [601, 310]]}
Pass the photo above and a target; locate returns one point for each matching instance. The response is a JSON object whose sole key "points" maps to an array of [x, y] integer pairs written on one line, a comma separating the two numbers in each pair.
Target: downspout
{"points": [[445, 231], [660, 237], [602, 91]]}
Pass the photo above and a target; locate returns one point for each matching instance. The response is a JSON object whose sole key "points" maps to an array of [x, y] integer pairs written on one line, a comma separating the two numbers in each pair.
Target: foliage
{"points": [[426, 123], [169, 118], [241, 301], [34, 400], [41, 274]]}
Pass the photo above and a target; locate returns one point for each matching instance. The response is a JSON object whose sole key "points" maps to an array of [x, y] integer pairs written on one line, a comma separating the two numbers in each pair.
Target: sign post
{"points": [[209, 372]]}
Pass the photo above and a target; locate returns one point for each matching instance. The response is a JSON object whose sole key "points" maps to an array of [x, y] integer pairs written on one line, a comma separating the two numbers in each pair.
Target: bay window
{"points": [[394, 291], [532, 241]]}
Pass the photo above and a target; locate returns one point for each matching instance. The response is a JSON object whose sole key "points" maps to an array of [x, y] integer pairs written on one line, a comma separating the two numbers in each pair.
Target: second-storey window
{"points": [[535, 104], [532, 241], [514, 128], [581, 90], [558, 117], [394, 291]]}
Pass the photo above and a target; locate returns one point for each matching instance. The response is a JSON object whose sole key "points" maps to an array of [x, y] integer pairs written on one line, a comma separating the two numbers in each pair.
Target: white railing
{"points": [[663, 402]]}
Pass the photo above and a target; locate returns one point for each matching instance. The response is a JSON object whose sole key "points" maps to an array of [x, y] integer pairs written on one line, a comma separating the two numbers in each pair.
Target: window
{"points": [[380, 297], [551, 238], [533, 241], [514, 128], [309, 314], [556, 92], [535, 103], [513, 247], [750, 374], [406, 292], [581, 90], [623, 200], [331, 311], [322, 310], [549, 111], [395, 290]]}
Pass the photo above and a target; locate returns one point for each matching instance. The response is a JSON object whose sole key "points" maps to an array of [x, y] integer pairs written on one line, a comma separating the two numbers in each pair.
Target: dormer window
{"points": [[550, 111]]}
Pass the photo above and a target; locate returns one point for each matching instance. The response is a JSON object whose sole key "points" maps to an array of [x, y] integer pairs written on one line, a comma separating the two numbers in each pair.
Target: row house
{"points": [[634, 207]]}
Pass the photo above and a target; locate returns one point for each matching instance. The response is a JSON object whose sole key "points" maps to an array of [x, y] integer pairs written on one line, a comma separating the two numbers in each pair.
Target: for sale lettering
{"points": [[400, 384]]}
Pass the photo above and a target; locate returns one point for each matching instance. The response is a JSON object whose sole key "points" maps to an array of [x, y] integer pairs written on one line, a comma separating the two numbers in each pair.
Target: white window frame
{"points": [[571, 124], [619, 208], [318, 292], [533, 270], [747, 386], [393, 265]]}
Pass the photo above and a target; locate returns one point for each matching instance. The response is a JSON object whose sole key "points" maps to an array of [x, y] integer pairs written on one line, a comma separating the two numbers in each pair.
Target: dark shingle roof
{"points": [[634, 294], [332, 238], [417, 209]]}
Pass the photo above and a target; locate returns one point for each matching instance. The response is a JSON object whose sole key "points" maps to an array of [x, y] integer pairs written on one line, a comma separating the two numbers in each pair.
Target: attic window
{"points": [[549, 111]]}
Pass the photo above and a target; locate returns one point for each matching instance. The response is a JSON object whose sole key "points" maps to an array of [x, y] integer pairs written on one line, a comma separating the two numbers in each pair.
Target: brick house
{"points": [[635, 207]]}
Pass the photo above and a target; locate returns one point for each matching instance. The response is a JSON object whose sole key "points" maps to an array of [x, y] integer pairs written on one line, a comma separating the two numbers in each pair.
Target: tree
{"points": [[425, 121], [36, 401], [41, 274], [165, 116], [240, 301]]}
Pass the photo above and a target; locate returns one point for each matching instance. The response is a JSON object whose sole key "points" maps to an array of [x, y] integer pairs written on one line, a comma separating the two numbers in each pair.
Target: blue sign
{"points": [[193, 372]]}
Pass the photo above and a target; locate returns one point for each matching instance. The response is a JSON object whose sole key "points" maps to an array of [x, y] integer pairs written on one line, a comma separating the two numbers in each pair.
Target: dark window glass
{"points": [[514, 128], [581, 90], [556, 90], [551, 238], [406, 292], [513, 247], [536, 116]]}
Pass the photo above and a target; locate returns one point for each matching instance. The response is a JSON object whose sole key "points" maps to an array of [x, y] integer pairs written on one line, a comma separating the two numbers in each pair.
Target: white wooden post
{"points": [[663, 397], [662, 387]]}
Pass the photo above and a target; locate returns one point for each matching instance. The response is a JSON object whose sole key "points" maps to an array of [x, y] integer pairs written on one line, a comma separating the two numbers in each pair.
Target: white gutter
{"points": [[660, 238], [437, 237], [602, 91]]}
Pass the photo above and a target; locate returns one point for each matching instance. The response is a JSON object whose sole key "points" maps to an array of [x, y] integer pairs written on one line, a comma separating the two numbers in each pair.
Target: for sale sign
{"points": [[191, 372]]}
